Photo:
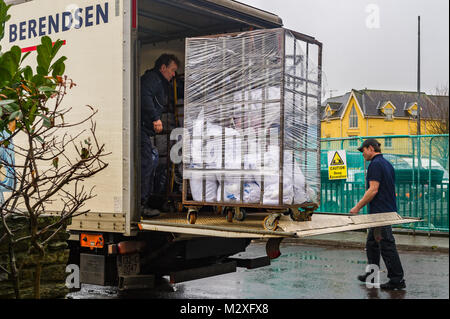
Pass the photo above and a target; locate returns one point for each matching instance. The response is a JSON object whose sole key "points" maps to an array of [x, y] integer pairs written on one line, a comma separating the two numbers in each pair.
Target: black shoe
{"points": [[363, 278], [393, 285], [149, 212]]}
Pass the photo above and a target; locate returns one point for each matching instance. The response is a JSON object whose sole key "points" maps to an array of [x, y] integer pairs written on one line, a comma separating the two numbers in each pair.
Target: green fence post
{"points": [[412, 187], [429, 185]]}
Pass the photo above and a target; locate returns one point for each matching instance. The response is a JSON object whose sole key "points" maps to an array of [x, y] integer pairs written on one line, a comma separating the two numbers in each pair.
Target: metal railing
{"points": [[422, 183]]}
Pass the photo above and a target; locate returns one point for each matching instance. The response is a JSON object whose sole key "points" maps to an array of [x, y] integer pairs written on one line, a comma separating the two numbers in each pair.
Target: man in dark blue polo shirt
{"points": [[380, 196]]}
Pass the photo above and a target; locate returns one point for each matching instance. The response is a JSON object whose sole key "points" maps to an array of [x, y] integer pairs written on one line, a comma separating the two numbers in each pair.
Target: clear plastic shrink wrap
{"points": [[250, 97]]}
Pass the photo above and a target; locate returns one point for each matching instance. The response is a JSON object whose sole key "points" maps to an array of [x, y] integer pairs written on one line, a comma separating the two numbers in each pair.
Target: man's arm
{"points": [[148, 88], [368, 196]]}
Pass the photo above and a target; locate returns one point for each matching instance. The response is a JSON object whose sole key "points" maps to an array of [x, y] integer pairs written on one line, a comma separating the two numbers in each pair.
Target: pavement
{"points": [[405, 240]]}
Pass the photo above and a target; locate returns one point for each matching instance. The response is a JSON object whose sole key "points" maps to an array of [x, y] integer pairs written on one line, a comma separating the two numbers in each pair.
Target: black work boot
{"points": [[149, 212], [394, 285], [363, 278]]}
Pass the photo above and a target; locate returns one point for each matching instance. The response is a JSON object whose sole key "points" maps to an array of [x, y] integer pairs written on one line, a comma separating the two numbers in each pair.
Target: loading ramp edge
{"points": [[329, 230], [345, 223], [210, 230]]}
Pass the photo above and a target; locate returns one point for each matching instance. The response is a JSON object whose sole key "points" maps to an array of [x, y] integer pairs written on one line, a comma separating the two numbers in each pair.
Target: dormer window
{"points": [[328, 113], [389, 113], [387, 109], [411, 108]]}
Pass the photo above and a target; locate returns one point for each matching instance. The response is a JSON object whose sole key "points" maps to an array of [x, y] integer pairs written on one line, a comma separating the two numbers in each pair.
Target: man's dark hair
{"points": [[371, 142], [377, 148], [166, 59]]}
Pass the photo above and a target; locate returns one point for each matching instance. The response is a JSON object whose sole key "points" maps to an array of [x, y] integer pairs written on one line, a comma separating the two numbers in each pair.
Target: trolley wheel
{"points": [[295, 214], [229, 214], [239, 213], [218, 210], [299, 215], [191, 216], [271, 222]]}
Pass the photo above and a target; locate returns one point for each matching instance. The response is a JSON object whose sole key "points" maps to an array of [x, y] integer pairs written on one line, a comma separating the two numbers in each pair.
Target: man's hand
{"points": [[367, 198], [354, 210], [158, 127]]}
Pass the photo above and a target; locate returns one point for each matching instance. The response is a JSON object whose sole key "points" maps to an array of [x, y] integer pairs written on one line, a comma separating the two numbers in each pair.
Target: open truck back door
{"points": [[99, 39]]}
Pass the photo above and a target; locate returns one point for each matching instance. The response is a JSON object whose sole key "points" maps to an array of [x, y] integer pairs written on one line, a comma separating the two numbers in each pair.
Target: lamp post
{"points": [[419, 160], [418, 76]]}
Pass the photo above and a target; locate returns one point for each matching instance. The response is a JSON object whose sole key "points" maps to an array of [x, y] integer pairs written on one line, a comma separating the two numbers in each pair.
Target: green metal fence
{"points": [[422, 182]]}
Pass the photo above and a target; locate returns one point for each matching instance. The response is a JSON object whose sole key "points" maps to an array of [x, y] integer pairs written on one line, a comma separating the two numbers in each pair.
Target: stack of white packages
{"points": [[212, 161], [293, 179]]}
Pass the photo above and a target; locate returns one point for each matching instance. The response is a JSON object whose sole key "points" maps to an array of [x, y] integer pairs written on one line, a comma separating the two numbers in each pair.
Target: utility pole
{"points": [[418, 77], [419, 160]]}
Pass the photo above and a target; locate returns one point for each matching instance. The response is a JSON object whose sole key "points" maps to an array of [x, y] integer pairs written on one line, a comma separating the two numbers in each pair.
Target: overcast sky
{"points": [[372, 44]]}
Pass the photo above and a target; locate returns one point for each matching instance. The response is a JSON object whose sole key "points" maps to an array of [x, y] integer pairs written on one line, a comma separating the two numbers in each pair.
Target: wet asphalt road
{"points": [[301, 272]]}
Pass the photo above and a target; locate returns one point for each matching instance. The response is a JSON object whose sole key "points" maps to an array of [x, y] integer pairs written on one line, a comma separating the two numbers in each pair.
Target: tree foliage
{"points": [[439, 111], [46, 157]]}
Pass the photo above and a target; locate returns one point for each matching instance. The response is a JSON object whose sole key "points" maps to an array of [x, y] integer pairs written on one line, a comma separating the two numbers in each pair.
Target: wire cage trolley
{"points": [[251, 126]]}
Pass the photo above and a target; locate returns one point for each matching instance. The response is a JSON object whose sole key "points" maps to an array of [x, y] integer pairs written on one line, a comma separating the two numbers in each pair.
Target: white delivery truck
{"points": [[109, 45]]}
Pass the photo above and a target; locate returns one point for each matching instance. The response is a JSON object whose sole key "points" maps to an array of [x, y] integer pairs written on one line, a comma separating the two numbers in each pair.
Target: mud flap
{"points": [[273, 247]]}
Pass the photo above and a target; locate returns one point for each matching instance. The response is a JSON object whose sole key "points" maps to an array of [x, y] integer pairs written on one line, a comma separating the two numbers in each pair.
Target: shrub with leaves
{"points": [[47, 158]]}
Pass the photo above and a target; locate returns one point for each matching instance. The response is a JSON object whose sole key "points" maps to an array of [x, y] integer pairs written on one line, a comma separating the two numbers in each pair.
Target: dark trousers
{"points": [[380, 241], [149, 162]]}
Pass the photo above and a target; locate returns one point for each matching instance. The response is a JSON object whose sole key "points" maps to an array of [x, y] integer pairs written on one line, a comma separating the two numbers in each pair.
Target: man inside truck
{"points": [[154, 98]]}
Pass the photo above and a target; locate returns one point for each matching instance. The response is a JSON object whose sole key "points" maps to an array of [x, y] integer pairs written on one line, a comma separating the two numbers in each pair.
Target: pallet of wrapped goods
{"points": [[252, 139]]}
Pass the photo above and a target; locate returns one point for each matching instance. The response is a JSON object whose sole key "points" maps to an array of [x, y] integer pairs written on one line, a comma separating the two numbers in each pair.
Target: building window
{"points": [[388, 112], [328, 115], [353, 118], [388, 142]]}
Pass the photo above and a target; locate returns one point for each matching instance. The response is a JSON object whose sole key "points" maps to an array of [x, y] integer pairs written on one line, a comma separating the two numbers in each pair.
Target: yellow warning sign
{"points": [[337, 165], [337, 160]]}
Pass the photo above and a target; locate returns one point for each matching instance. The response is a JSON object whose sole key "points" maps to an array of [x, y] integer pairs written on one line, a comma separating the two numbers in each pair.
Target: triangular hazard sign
{"points": [[337, 160]]}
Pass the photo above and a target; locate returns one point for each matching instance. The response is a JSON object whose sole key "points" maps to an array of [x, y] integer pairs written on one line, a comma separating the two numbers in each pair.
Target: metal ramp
{"points": [[252, 226]]}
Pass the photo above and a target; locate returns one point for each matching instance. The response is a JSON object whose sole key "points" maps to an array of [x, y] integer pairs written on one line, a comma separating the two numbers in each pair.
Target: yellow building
{"points": [[376, 112]]}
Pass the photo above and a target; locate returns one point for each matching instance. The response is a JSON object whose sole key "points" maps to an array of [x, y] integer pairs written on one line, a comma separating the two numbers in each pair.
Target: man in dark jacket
{"points": [[380, 196], [154, 98]]}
